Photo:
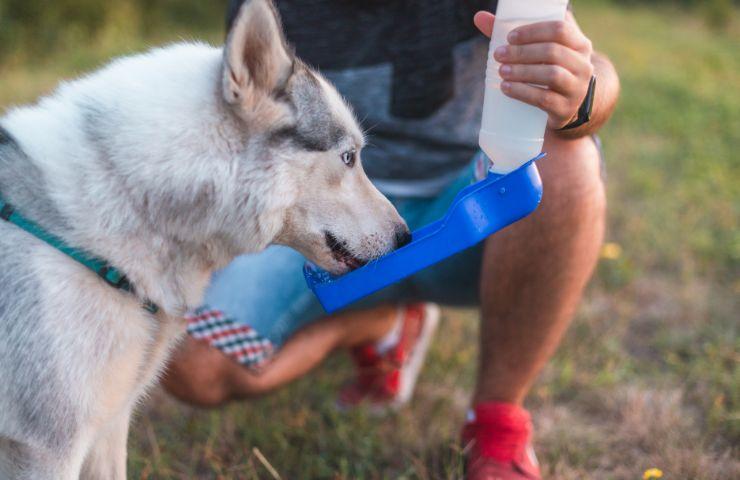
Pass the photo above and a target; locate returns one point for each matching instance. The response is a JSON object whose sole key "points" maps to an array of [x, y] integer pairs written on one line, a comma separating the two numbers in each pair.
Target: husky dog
{"points": [[167, 165]]}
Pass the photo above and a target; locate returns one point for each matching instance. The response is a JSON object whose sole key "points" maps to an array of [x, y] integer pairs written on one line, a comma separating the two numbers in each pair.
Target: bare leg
{"points": [[534, 272], [202, 375]]}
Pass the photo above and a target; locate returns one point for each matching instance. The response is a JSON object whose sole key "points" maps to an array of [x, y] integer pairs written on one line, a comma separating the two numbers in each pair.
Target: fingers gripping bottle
{"points": [[512, 132]]}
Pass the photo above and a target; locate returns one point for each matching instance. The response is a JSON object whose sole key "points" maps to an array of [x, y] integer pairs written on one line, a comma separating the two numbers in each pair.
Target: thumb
{"points": [[484, 22]]}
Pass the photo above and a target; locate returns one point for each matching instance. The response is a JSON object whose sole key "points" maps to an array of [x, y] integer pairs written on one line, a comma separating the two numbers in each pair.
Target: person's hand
{"points": [[556, 55]]}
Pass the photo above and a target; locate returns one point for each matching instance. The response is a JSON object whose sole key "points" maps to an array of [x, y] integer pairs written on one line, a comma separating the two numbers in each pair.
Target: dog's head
{"points": [[310, 141]]}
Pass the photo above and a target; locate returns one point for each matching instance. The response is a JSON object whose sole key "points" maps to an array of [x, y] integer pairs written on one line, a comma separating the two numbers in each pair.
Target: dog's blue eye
{"points": [[348, 157]]}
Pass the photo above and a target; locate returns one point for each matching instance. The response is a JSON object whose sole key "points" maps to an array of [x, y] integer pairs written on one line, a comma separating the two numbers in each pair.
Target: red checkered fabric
{"points": [[237, 340]]}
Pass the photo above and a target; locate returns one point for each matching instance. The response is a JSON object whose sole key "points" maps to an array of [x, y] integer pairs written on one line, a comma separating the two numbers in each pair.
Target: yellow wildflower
{"points": [[611, 251], [651, 473]]}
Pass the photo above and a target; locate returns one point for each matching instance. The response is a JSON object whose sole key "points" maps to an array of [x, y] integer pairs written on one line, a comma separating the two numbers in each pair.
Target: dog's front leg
{"points": [[106, 459], [22, 461]]}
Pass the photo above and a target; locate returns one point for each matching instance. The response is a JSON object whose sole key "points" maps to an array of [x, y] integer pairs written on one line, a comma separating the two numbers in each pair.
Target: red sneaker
{"points": [[496, 440], [387, 380]]}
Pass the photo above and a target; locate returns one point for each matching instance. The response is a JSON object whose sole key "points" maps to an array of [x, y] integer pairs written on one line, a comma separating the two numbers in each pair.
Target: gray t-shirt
{"points": [[414, 73]]}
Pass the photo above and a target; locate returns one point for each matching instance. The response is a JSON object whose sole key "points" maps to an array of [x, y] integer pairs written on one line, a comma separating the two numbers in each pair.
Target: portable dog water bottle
{"points": [[511, 134], [478, 211]]}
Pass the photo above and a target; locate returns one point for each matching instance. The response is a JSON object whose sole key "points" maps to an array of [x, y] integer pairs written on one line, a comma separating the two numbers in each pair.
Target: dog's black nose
{"points": [[403, 236]]}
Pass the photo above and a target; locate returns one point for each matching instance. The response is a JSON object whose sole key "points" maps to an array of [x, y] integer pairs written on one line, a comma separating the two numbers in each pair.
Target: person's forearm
{"points": [[605, 98]]}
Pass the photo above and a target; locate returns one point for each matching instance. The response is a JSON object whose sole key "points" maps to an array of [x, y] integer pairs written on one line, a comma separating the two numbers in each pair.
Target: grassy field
{"points": [[648, 375]]}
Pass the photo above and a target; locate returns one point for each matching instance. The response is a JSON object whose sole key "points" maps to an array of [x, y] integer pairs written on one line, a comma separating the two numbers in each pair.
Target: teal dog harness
{"points": [[110, 274]]}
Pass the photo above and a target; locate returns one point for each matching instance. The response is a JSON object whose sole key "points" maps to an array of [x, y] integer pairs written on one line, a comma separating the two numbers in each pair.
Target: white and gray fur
{"points": [[168, 165]]}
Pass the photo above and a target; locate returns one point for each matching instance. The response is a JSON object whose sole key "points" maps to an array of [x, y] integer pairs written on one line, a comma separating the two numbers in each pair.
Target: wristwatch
{"points": [[584, 111]]}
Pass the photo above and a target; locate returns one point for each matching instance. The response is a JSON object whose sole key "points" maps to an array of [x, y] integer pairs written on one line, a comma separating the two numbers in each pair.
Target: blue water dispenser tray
{"points": [[477, 212]]}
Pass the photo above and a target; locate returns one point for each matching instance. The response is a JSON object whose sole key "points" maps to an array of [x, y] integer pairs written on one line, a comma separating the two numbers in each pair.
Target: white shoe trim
{"points": [[411, 369], [392, 337]]}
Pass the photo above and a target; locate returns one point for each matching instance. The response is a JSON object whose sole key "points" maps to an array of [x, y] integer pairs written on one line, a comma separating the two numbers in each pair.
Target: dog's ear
{"points": [[256, 58]]}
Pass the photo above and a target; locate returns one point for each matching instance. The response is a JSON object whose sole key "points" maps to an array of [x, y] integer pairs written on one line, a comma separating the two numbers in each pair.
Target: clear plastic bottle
{"points": [[512, 132]]}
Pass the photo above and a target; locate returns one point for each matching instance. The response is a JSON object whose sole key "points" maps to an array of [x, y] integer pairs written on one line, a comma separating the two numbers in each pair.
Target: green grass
{"points": [[648, 374]]}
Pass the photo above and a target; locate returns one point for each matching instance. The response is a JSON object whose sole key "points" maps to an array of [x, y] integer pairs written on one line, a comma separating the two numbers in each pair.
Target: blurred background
{"points": [[647, 376]]}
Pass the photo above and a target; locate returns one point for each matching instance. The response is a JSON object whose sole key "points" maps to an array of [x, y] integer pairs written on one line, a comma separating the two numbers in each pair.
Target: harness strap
{"points": [[108, 273]]}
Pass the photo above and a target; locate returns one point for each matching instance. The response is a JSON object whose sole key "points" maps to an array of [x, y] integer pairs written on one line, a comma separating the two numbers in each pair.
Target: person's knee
{"points": [[572, 179]]}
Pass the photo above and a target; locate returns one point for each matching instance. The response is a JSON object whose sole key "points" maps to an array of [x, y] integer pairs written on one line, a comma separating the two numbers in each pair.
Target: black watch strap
{"points": [[584, 111]]}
